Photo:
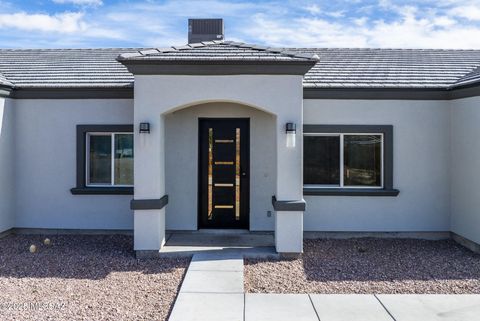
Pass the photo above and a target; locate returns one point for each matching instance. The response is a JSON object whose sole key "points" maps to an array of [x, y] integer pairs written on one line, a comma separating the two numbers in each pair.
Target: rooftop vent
{"points": [[204, 30]]}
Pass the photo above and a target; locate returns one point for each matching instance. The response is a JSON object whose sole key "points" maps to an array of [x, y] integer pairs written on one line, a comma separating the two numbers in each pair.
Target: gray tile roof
{"points": [[64, 67], [4, 81], [337, 68], [219, 51], [469, 79], [389, 68]]}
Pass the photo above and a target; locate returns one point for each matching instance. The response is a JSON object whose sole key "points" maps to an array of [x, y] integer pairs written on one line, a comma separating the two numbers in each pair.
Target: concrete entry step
{"points": [[216, 242], [221, 238], [226, 231]]}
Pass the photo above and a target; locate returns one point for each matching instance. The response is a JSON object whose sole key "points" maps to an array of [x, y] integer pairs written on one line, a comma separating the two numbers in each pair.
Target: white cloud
{"points": [[194, 8], [68, 22], [360, 21], [408, 24], [313, 9], [443, 21], [69, 29], [303, 32], [336, 14], [469, 12], [421, 29], [409, 30], [80, 2]]}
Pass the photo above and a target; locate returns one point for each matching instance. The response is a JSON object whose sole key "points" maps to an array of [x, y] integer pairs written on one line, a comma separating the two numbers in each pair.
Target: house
{"points": [[225, 135]]}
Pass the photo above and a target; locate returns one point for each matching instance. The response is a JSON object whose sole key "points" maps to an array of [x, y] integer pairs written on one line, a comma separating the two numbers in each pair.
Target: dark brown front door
{"points": [[223, 173]]}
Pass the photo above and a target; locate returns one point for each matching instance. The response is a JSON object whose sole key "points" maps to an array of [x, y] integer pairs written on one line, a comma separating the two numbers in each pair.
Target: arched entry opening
{"points": [[220, 168]]}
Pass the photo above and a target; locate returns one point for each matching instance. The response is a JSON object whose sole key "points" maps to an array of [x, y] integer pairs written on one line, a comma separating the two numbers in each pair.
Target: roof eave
{"points": [[151, 66], [385, 93], [6, 90], [465, 84], [75, 92]]}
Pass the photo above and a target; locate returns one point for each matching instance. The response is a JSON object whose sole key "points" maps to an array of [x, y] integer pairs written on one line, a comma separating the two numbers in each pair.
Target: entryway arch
{"points": [[182, 167]]}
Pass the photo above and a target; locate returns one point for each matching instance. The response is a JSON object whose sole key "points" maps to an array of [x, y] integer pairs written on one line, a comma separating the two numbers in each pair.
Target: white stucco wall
{"points": [[7, 182], [465, 171], [181, 150], [45, 134], [421, 168]]}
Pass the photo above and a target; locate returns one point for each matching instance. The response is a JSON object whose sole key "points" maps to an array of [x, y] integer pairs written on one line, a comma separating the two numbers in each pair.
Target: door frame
{"points": [[245, 204]]}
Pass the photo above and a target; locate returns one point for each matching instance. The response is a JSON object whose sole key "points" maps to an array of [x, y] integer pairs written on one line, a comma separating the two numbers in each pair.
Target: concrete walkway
{"points": [[213, 291]]}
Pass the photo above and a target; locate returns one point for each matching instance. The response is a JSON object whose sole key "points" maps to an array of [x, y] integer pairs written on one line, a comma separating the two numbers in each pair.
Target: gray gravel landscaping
{"points": [[369, 266], [84, 278]]}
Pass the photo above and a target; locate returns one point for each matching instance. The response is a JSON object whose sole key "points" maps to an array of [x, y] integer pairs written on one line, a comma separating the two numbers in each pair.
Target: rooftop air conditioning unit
{"points": [[200, 30]]}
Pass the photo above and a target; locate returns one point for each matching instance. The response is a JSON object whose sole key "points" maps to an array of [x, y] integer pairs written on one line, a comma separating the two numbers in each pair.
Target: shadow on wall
{"points": [[91, 257]]}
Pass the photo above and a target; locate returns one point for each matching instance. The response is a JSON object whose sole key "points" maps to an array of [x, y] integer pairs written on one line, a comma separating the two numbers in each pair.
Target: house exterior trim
{"points": [[150, 204], [349, 191], [288, 206], [73, 93], [114, 190], [469, 244], [240, 67], [308, 93], [5, 91], [391, 93], [472, 90]]}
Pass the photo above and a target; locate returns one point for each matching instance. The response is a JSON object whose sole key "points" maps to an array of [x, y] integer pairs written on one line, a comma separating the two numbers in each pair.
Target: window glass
{"points": [[123, 159], [362, 160], [100, 159], [321, 155]]}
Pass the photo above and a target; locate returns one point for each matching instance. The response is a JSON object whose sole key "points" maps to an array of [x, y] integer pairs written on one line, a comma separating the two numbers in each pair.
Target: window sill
{"points": [[349, 191], [102, 191]]}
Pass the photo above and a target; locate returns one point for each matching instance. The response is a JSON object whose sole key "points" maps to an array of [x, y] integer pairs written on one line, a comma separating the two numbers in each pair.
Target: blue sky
{"points": [[299, 23]]}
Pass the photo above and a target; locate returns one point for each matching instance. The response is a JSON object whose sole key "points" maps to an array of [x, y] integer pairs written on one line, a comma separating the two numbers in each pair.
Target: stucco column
{"points": [[149, 198], [288, 203]]}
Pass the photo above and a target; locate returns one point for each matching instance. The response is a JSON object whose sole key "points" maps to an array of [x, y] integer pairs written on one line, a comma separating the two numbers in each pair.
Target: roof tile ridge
{"points": [[5, 82], [463, 81], [141, 53], [288, 53]]}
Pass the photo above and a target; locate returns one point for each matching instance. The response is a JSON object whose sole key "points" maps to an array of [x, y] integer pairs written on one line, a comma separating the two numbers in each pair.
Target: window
{"points": [[104, 159], [109, 159], [321, 160], [348, 160], [339, 160]]}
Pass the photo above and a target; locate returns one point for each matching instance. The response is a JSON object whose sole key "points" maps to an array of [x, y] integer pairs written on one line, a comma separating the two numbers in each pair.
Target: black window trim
{"points": [[387, 131], [82, 188]]}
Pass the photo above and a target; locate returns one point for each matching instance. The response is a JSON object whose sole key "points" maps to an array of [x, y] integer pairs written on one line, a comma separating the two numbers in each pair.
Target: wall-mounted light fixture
{"points": [[144, 128], [291, 130]]}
